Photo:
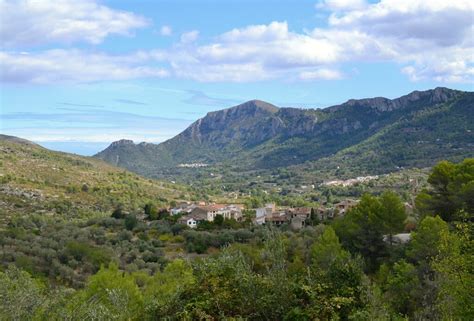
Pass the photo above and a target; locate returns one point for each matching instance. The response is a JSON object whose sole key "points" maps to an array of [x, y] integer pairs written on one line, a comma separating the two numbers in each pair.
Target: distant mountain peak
{"points": [[122, 142], [256, 104]]}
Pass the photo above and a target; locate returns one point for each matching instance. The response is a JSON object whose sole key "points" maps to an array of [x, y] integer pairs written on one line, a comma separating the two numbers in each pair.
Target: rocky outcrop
{"points": [[430, 97], [122, 142]]}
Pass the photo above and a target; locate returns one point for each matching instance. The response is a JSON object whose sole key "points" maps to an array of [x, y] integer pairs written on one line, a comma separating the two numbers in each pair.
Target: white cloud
{"points": [[273, 31], [341, 5], [166, 31], [321, 74], [427, 39], [74, 66], [442, 22], [190, 36], [451, 69], [433, 39], [253, 53], [36, 22]]}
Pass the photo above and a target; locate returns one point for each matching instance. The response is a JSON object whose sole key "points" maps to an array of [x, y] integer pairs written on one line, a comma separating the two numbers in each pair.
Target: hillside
{"points": [[418, 139], [35, 180], [373, 135]]}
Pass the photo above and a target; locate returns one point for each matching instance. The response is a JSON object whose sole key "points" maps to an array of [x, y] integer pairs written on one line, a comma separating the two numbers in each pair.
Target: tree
{"points": [[454, 269], [151, 211], [218, 220], [334, 281], [327, 249], [177, 228], [392, 213], [163, 214], [130, 221], [20, 295], [361, 231], [108, 293], [162, 291], [426, 241], [451, 192], [314, 217], [401, 286], [118, 213]]}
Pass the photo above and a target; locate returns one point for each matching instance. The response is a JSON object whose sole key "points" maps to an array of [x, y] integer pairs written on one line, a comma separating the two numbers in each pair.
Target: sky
{"points": [[76, 75]]}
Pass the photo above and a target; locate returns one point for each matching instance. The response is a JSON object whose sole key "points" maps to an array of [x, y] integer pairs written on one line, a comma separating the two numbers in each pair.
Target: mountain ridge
{"points": [[259, 135]]}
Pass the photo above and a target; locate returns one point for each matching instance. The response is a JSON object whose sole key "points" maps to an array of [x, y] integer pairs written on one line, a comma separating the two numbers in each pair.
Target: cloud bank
{"points": [[428, 40], [25, 23]]}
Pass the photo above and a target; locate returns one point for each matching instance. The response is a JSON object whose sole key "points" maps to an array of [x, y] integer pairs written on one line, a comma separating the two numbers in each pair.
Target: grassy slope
{"points": [[36, 180]]}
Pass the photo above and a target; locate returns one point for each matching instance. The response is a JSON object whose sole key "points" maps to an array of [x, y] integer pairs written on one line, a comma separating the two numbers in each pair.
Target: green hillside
{"points": [[418, 139], [35, 180]]}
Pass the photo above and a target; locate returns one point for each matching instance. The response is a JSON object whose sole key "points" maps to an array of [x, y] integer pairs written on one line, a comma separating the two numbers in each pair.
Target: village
{"points": [[193, 213]]}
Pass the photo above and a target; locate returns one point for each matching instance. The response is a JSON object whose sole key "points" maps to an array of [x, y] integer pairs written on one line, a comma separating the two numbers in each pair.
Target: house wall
{"points": [[191, 223]]}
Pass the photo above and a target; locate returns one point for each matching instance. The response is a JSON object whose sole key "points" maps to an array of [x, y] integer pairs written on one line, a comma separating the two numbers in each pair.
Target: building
{"points": [[302, 212], [298, 216], [264, 212], [322, 213], [181, 208], [344, 206], [192, 220], [277, 219], [298, 222], [200, 213], [401, 238]]}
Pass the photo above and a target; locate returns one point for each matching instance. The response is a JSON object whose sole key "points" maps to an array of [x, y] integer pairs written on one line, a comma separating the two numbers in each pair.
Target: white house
{"points": [[191, 222], [211, 211]]}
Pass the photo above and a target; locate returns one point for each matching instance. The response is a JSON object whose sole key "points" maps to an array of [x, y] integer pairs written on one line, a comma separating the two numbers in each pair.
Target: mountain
{"points": [[35, 180], [367, 135]]}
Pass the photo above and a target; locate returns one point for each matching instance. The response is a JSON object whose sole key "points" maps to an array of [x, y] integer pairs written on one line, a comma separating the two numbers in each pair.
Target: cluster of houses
{"points": [[194, 213], [193, 165], [350, 182], [270, 215], [297, 217]]}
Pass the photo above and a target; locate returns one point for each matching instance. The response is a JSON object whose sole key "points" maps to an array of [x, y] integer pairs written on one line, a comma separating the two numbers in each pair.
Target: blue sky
{"points": [[77, 75]]}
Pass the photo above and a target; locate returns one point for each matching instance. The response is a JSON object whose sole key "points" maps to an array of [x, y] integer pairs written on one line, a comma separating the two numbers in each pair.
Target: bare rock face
{"points": [[381, 104], [250, 122], [122, 142]]}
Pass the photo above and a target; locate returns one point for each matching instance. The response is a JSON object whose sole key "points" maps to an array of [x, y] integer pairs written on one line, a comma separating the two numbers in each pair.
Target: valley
{"points": [[304, 204], [236, 160]]}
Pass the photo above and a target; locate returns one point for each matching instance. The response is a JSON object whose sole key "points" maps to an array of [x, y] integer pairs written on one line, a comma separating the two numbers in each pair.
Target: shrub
{"points": [[118, 213], [130, 222]]}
